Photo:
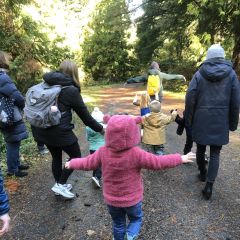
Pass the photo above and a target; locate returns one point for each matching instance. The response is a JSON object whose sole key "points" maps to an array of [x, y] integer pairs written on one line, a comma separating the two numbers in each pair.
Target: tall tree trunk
{"points": [[236, 56]]}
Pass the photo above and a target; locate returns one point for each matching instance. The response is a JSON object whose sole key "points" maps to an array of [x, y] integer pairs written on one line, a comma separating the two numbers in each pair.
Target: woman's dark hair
{"points": [[4, 60]]}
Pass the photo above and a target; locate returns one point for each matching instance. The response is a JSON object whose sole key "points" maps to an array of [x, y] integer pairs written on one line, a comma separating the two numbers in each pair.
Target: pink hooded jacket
{"points": [[122, 160]]}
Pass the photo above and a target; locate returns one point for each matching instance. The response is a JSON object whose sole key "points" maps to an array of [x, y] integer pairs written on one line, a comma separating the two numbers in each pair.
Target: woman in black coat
{"points": [[212, 109], [13, 135], [61, 137]]}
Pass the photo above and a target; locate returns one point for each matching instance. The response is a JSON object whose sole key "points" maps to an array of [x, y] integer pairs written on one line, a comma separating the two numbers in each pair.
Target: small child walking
{"points": [[143, 102], [154, 127], [96, 140], [181, 126], [121, 162]]}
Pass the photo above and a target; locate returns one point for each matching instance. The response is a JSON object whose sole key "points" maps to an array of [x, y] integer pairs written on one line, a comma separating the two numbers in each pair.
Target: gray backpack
{"points": [[39, 100]]}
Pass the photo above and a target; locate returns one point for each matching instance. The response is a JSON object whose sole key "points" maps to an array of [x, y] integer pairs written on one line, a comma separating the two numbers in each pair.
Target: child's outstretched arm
{"points": [[90, 162], [151, 161]]}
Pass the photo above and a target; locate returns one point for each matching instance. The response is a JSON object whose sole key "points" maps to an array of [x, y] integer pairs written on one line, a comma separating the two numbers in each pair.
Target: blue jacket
{"points": [[212, 102], [4, 205], [18, 131]]}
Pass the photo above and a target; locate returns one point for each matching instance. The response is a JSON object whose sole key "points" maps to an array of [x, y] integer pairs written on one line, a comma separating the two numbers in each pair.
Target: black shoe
{"points": [[23, 167], [18, 174], [207, 191]]}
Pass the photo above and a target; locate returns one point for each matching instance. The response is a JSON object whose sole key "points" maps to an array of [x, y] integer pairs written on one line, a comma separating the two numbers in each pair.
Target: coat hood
{"points": [[154, 119], [153, 71], [58, 78], [215, 69], [122, 132]]}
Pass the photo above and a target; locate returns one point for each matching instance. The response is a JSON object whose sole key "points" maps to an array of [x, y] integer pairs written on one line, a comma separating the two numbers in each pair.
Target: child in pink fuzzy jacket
{"points": [[121, 161]]}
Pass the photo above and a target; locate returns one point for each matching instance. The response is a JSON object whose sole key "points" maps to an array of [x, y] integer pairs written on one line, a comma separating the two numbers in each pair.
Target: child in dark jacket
{"points": [[121, 161], [181, 126]]}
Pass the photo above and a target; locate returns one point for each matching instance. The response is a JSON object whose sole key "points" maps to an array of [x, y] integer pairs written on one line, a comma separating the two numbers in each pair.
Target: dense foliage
{"points": [[30, 47], [106, 52], [179, 32]]}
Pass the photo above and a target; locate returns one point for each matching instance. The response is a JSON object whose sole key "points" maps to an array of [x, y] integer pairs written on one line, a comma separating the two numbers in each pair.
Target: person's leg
{"points": [[200, 155], [98, 173], [188, 144], [212, 171], [13, 156], [13, 160], [94, 171], [74, 152], [119, 222], [158, 149], [213, 163], [41, 148], [134, 214], [59, 188], [149, 148], [56, 153]]}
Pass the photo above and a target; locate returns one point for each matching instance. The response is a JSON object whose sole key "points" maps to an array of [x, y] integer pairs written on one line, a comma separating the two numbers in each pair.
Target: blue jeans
{"points": [[120, 228], [13, 156]]}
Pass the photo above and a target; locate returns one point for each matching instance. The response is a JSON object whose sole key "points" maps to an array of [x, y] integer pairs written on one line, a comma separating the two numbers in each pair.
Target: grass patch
{"points": [[175, 95]]}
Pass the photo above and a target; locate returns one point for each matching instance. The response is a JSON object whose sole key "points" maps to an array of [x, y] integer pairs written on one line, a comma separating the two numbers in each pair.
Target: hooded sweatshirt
{"points": [[212, 102], [154, 127], [122, 161]]}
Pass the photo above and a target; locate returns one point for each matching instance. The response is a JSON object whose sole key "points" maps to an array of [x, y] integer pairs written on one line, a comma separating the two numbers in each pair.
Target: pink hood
{"points": [[122, 132]]}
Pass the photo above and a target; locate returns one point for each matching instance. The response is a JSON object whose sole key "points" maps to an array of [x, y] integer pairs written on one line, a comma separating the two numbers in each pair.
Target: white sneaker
{"points": [[63, 191], [68, 186], [96, 181]]}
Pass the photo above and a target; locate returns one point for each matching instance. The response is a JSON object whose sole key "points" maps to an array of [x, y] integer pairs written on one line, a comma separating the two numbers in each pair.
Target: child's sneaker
{"points": [[61, 190], [97, 181], [68, 186]]}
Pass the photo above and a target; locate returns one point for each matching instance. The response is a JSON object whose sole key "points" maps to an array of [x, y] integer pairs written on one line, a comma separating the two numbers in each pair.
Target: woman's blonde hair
{"points": [[4, 60], [70, 68], [144, 100]]}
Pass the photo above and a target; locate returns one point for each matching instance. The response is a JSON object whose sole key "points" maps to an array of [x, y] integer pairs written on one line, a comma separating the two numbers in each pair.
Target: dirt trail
{"points": [[173, 206]]}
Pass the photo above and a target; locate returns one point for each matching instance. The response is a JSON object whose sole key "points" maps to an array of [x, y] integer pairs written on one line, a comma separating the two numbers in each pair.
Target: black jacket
{"points": [[212, 102], [69, 99]]}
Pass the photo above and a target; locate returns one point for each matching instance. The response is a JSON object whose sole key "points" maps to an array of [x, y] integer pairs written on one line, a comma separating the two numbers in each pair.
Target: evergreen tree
{"points": [[105, 49]]}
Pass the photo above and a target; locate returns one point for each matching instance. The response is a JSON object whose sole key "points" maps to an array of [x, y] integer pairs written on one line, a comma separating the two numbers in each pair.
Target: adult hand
{"points": [[6, 224], [189, 157], [184, 79]]}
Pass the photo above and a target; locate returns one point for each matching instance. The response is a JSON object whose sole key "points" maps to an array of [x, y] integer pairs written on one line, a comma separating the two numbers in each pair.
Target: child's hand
{"points": [[67, 165], [189, 157], [174, 113]]}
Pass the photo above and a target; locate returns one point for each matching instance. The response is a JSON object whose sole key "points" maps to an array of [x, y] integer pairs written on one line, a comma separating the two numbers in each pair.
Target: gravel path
{"points": [[173, 206]]}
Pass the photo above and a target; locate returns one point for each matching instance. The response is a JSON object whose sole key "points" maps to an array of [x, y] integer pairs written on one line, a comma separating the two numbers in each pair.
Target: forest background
{"points": [[114, 40]]}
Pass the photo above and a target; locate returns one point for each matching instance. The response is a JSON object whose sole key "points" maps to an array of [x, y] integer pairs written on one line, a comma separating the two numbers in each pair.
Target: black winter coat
{"points": [[212, 102], [18, 131], [68, 99]]}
